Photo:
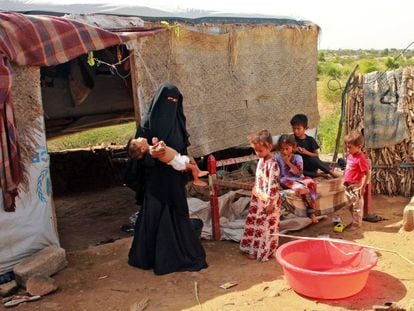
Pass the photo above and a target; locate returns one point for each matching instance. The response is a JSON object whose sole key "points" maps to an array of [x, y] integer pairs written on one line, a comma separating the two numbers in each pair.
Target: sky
{"points": [[351, 24]]}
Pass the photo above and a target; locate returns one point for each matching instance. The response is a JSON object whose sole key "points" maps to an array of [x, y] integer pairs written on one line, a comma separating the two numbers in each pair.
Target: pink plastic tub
{"points": [[325, 269]]}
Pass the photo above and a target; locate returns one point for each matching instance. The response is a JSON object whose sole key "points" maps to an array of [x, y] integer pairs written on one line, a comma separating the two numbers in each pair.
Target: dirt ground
{"points": [[99, 278]]}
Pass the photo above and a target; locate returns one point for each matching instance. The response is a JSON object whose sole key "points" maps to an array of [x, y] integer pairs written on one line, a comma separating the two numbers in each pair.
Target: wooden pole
{"points": [[343, 105], [215, 215], [134, 86]]}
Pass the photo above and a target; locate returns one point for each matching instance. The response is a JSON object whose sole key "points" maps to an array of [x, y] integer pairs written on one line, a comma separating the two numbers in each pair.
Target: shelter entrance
{"points": [[90, 91]]}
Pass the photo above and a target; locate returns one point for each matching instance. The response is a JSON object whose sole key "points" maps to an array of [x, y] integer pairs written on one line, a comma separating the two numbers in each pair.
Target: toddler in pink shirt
{"points": [[355, 179]]}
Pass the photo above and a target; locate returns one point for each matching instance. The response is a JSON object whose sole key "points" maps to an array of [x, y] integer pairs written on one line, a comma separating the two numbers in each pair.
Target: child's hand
{"points": [[301, 150], [269, 209], [154, 140], [287, 158]]}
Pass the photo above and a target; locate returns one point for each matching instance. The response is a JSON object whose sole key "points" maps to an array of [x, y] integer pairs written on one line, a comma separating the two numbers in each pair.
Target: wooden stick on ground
{"points": [[196, 295]]}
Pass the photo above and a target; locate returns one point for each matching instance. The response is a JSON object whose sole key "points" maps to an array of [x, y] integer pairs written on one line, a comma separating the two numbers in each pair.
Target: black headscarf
{"points": [[165, 119]]}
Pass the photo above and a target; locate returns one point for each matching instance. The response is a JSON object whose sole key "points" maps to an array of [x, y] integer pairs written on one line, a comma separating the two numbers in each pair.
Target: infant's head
{"points": [[137, 147]]}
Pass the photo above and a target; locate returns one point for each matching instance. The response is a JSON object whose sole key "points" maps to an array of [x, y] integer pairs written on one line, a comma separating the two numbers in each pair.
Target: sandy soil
{"points": [[99, 278]]}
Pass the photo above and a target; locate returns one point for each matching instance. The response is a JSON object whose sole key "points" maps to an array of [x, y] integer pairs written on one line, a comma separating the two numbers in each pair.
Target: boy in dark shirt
{"points": [[308, 148]]}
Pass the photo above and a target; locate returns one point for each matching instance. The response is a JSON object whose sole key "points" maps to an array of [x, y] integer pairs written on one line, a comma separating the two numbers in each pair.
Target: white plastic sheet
{"points": [[31, 227]]}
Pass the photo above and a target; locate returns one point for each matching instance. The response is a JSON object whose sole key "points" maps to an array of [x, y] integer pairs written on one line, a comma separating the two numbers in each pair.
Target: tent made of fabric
{"points": [[28, 40], [26, 43]]}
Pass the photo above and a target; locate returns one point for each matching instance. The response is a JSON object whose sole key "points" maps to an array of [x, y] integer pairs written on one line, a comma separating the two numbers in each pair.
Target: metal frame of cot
{"points": [[215, 183]]}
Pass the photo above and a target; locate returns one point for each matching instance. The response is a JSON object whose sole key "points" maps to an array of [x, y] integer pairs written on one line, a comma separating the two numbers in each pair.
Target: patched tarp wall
{"points": [[382, 104], [32, 226], [235, 79]]}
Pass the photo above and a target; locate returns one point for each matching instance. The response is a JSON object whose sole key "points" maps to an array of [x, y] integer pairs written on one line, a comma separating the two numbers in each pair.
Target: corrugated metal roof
{"points": [[231, 20], [155, 15]]}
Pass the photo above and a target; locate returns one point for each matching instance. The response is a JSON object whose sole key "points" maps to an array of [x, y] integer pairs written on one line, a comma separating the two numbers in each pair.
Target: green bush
{"points": [[321, 56], [327, 131], [406, 62], [330, 90], [330, 69], [347, 69], [391, 63], [368, 65], [343, 60]]}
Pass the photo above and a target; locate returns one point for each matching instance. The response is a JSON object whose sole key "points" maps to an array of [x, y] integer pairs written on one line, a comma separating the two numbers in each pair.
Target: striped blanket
{"points": [[331, 197], [40, 41]]}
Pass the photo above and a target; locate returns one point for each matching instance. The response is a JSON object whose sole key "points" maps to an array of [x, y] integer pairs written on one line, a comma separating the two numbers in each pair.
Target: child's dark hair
{"points": [[299, 119], [132, 150], [262, 137], [287, 139], [354, 138]]}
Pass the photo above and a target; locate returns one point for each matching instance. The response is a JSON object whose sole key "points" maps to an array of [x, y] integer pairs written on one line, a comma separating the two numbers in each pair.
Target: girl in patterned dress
{"points": [[291, 174], [259, 240]]}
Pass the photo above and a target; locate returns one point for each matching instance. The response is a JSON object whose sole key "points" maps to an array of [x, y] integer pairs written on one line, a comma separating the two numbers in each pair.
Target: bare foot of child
{"points": [[314, 219], [202, 173], [251, 256], [200, 183]]}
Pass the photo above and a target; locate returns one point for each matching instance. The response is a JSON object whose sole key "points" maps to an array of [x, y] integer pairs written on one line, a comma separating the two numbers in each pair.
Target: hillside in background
{"points": [[334, 68]]}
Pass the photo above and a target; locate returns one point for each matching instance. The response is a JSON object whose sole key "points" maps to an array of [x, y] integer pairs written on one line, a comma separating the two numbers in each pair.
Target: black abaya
{"points": [[164, 239]]}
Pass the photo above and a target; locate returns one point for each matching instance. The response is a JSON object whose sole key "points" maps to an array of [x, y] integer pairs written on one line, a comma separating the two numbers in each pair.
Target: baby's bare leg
{"points": [[200, 173], [195, 171]]}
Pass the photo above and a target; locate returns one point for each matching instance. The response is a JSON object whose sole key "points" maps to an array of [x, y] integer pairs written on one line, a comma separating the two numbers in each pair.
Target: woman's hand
{"points": [[157, 152]]}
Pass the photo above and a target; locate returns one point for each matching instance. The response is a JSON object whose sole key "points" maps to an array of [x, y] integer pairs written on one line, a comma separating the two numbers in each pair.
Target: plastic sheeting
{"points": [[32, 226]]}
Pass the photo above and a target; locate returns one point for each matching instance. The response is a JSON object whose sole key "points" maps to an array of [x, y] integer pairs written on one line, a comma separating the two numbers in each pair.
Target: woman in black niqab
{"points": [[164, 239]]}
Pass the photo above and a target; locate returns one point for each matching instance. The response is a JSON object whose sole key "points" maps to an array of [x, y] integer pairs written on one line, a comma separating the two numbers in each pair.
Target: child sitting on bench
{"points": [[291, 174], [308, 148]]}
